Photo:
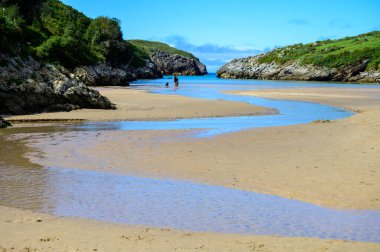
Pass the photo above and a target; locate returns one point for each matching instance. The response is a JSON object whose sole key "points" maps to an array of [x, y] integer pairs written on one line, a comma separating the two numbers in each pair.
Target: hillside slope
{"points": [[170, 60], [50, 53], [354, 59]]}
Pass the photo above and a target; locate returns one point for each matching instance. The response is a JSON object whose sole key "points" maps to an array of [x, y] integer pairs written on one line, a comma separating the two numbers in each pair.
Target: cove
{"points": [[184, 205]]}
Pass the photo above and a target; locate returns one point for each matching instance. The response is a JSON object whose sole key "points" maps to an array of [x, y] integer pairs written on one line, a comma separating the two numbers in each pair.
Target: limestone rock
{"points": [[250, 68], [176, 64], [104, 75], [28, 86], [149, 71]]}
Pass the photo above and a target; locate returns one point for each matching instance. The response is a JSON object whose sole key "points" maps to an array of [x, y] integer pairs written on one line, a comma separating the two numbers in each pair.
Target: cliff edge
{"points": [[352, 59]]}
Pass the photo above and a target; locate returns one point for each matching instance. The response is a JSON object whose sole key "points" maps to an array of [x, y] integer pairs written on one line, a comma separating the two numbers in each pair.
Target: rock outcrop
{"points": [[170, 64], [104, 74], [250, 68], [149, 71], [4, 123], [28, 86], [160, 63]]}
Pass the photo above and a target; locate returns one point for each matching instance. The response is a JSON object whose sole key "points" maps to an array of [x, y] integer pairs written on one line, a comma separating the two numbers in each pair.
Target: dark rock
{"points": [[62, 107], [149, 71], [170, 64], [104, 75], [4, 123], [28, 86]]}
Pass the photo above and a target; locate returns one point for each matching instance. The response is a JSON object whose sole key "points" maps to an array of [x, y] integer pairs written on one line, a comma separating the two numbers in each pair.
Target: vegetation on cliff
{"points": [[150, 46], [351, 59], [70, 52], [170, 60], [53, 32], [331, 53]]}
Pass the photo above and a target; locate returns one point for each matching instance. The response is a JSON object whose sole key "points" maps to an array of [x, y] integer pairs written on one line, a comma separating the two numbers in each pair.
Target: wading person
{"points": [[176, 81]]}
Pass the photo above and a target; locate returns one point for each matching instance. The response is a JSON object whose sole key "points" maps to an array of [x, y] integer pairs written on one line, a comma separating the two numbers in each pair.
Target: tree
{"points": [[11, 24], [103, 29]]}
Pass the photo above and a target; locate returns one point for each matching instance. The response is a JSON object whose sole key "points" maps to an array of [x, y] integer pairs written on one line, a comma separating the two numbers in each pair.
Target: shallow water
{"points": [[209, 87], [184, 205], [178, 204]]}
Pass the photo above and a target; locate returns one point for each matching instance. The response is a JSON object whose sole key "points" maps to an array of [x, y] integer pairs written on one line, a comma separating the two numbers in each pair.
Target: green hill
{"points": [[149, 46], [331, 53], [53, 32]]}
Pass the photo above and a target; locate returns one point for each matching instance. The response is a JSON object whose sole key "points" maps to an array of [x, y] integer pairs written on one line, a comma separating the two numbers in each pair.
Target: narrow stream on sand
{"points": [[289, 112], [66, 191]]}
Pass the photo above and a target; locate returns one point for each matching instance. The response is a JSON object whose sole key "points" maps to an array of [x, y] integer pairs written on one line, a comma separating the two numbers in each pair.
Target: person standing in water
{"points": [[176, 81]]}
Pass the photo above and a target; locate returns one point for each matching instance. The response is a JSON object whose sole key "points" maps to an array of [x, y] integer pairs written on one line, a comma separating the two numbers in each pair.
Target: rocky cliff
{"points": [[251, 68], [28, 86], [104, 74], [85, 51], [170, 60], [355, 59], [170, 64]]}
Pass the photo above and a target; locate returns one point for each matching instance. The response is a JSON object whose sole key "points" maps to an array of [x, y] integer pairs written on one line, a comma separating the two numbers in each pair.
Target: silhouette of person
{"points": [[176, 81]]}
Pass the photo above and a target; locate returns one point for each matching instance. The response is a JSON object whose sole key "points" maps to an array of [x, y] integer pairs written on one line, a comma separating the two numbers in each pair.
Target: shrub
{"points": [[66, 50], [103, 29], [10, 28]]}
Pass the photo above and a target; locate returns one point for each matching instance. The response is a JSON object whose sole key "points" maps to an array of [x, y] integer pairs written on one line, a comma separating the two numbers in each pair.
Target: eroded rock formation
{"points": [[250, 68], [28, 86]]}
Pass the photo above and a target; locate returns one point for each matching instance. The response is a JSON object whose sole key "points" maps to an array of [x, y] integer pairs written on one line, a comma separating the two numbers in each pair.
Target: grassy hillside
{"points": [[331, 53], [54, 32], [149, 46]]}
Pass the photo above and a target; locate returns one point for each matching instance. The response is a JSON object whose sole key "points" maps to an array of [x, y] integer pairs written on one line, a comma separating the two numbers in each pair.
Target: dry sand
{"points": [[332, 164], [141, 105], [26, 231]]}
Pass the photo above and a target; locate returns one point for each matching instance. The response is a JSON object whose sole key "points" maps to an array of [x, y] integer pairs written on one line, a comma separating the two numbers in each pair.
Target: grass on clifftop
{"points": [[331, 53], [149, 46]]}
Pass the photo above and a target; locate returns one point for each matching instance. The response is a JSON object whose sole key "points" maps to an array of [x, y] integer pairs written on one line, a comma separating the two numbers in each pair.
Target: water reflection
{"points": [[177, 204]]}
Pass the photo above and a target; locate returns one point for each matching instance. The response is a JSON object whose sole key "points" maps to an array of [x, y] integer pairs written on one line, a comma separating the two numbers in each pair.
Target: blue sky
{"points": [[218, 31]]}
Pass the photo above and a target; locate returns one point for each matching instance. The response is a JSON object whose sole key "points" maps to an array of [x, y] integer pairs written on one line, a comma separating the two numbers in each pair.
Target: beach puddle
{"points": [[177, 204]]}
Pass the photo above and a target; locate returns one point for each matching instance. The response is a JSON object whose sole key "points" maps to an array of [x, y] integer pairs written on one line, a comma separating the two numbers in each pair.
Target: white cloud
{"points": [[214, 56]]}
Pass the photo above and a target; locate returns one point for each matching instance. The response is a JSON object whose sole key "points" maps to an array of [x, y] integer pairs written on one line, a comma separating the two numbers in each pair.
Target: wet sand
{"points": [[356, 99], [141, 105], [26, 231], [334, 164]]}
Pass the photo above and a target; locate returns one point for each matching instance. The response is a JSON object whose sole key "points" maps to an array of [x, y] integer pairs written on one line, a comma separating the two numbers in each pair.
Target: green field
{"points": [[331, 53]]}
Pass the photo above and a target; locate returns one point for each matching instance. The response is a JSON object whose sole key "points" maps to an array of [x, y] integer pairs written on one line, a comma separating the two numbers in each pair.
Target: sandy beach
{"points": [[333, 164], [26, 231], [140, 105]]}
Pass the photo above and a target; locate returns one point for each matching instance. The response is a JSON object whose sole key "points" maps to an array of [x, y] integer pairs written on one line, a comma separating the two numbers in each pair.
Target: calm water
{"points": [[178, 204], [66, 191], [209, 87]]}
